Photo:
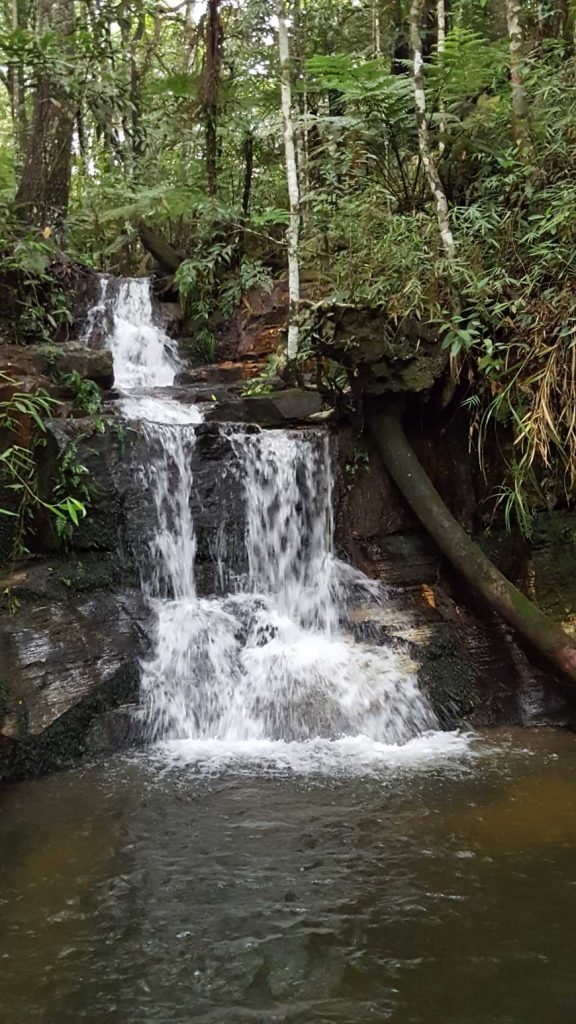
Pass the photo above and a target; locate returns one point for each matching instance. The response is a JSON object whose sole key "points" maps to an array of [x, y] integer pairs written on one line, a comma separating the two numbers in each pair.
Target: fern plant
{"points": [[18, 467]]}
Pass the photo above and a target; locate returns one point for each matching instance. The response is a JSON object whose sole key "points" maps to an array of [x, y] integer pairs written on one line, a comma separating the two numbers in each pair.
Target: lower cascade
{"points": [[271, 659]]}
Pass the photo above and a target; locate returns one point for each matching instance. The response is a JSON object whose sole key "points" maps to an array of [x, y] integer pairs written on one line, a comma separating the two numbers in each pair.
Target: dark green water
{"points": [[442, 893]]}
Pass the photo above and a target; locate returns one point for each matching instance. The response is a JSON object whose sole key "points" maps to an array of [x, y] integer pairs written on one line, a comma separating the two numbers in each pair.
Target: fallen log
{"points": [[398, 457]]}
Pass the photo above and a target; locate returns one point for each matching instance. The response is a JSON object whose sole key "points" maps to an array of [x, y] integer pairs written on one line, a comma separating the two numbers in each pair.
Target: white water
{"points": [[267, 672], [144, 355]]}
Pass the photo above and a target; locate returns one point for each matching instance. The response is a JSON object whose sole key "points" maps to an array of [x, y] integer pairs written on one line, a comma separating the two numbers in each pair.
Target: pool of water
{"points": [[171, 889]]}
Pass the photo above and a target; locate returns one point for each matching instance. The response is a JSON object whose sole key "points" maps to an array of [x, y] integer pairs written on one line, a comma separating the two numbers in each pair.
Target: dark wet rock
{"points": [[387, 354], [473, 667], [64, 577], [222, 373], [230, 410], [87, 295], [52, 361], [217, 501], [101, 448], [172, 317], [282, 408], [62, 662], [114, 730]]}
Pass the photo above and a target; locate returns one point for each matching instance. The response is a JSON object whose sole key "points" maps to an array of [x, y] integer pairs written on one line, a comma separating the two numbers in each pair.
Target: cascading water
{"points": [[144, 355], [270, 662]]}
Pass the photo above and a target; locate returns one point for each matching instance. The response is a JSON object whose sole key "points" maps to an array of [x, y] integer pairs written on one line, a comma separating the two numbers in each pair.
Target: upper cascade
{"points": [[144, 355]]}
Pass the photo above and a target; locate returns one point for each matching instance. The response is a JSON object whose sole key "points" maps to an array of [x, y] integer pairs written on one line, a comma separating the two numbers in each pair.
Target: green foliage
{"points": [[358, 462], [36, 301], [18, 466], [73, 489], [213, 282], [87, 395], [503, 309], [264, 383]]}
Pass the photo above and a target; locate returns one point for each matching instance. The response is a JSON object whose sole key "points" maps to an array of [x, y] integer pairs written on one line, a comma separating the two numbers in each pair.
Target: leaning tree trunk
{"points": [[154, 242], [293, 190], [399, 459], [428, 162], [44, 189]]}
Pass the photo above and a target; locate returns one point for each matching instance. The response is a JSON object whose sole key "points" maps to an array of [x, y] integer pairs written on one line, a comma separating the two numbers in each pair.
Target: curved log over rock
{"points": [[545, 635]]}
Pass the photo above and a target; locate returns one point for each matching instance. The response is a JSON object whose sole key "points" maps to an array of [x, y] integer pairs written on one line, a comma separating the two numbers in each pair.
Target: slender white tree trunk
{"points": [[431, 171], [301, 128], [376, 35], [292, 178], [519, 97], [441, 46]]}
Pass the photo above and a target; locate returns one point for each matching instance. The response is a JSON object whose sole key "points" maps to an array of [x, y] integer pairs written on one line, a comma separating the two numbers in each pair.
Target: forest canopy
{"points": [[432, 149]]}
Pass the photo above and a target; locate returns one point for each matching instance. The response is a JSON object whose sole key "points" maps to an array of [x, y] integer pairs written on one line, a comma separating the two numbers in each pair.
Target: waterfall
{"points": [[270, 661], [144, 355]]}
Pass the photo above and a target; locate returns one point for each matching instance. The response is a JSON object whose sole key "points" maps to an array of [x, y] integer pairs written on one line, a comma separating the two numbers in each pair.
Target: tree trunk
{"points": [[248, 153], [376, 36], [158, 247], [44, 189], [293, 190], [433, 178], [519, 97], [301, 134], [441, 47], [17, 90], [210, 92], [545, 635]]}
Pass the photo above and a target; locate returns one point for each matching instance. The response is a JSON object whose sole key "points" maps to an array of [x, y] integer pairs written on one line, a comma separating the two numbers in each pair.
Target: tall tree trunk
{"points": [[519, 96], [441, 47], [17, 90], [135, 92], [301, 132], [44, 189], [399, 459], [376, 35], [210, 91], [248, 153], [293, 190], [428, 162]]}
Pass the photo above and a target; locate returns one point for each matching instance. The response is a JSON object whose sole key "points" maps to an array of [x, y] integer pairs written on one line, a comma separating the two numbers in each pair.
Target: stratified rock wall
{"points": [[472, 665]]}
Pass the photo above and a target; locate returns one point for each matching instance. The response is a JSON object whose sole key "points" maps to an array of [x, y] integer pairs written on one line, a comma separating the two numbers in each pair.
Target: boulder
{"points": [[172, 316], [280, 409], [386, 355], [257, 328], [62, 662]]}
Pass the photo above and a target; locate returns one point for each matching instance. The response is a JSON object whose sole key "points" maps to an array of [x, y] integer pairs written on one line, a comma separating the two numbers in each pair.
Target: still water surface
{"points": [[443, 891]]}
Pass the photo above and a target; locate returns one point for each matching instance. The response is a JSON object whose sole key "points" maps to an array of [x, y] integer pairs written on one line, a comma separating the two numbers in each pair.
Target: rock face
{"points": [[471, 664], [217, 502], [50, 361], [73, 624], [397, 356], [67, 656], [258, 327]]}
